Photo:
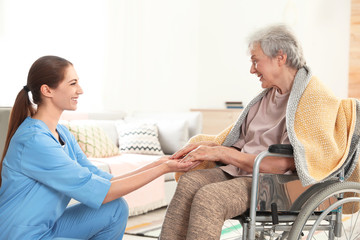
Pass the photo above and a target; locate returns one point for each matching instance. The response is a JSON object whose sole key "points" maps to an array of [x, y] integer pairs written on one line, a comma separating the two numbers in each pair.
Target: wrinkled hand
{"points": [[204, 153], [190, 147]]}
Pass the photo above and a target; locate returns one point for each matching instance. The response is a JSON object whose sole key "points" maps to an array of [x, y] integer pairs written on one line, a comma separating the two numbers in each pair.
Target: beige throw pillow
{"points": [[93, 140]]}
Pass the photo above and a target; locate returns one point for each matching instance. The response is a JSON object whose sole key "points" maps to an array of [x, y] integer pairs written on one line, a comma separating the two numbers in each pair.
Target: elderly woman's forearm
{"points": [[245, 161], [239, 159], [277, 165]]}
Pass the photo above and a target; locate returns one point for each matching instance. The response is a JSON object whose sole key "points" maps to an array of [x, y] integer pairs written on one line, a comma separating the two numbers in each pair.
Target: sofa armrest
{"points": [[4, 122]]}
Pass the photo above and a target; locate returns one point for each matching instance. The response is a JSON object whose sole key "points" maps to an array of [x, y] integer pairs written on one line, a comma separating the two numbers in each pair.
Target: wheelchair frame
{"points": [[303, 210]]}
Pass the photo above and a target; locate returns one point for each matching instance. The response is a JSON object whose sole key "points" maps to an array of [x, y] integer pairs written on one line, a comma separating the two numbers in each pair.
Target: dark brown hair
{"points": [[47, 70]]}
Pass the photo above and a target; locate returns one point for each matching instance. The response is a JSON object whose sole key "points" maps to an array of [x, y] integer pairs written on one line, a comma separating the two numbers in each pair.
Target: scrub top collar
{"points": [[40, 122]]}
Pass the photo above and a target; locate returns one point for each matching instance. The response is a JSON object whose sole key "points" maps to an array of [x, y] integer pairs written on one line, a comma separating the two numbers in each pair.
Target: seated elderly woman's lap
{"points": [[216, 193], [214, 182]]}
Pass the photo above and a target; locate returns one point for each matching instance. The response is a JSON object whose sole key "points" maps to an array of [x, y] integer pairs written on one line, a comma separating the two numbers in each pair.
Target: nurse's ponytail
{"points": [[47, 70], [21, 109]]}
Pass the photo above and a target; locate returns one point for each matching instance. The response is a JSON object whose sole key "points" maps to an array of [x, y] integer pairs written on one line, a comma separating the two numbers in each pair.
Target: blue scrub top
{"points": [[39, 177]]}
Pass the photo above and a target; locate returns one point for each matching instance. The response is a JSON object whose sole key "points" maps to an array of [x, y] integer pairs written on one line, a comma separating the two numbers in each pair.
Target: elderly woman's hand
{"points": [[205, 153], [190, 147]]}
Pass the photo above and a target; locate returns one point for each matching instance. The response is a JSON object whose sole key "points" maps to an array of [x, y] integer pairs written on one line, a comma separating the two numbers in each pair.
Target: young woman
{"points": [[43, 167]]}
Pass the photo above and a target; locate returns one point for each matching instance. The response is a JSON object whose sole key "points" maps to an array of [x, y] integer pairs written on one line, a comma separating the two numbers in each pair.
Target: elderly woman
{"points": [[294, 108], [204, 199]]}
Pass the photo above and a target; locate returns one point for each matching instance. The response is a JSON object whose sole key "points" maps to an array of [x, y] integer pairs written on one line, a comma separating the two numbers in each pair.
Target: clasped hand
{"points": [[191, 156]]}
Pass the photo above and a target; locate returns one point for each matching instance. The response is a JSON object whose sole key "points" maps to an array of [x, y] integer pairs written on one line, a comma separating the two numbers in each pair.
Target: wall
{"points": [[321, 26], [165, 55], [193, 54], [152, 55], [67, 28]]}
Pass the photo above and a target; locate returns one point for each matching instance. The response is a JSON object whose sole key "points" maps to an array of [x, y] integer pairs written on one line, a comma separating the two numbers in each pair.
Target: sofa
{"points": [[140, 138]]}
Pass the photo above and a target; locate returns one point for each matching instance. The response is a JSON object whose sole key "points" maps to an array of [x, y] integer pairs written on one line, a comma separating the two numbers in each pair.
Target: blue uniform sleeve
{"points": [[84, 161], [44, 160]]}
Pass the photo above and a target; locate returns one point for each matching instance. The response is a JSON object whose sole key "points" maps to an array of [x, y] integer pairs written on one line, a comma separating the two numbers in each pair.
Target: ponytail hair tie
{"points": [[26, 88]]}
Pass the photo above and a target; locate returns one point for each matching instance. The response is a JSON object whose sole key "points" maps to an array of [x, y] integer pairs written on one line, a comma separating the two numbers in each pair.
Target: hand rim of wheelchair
{"points": [[316, 200], [327, 211]]}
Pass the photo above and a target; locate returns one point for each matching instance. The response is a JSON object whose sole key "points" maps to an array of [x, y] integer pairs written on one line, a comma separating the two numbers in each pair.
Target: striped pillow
{"points": [[139, 138]]}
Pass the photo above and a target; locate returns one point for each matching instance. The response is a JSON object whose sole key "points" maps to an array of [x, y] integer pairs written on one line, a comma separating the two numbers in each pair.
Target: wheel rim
{"points": [[310, 212], [346, 235]]}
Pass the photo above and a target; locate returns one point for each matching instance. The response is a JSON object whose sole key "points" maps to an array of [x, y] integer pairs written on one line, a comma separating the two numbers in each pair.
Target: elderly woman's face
{"points": [[264, 67]]}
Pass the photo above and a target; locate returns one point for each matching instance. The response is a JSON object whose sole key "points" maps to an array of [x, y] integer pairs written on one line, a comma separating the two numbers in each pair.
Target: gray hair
{"points": [[274, 38]]}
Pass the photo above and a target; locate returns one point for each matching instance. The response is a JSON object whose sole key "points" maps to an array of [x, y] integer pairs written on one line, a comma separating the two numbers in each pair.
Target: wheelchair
{"points": [[318, 212]]}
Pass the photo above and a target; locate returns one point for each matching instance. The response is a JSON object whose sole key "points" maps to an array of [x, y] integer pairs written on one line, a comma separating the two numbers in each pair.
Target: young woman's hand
{"points": [[176, 165], [162, 159]]}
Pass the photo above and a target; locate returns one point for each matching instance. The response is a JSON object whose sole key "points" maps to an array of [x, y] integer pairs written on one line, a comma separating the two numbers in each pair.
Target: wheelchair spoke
{"points": [[357, 236], [355, 222], [344, 231]]}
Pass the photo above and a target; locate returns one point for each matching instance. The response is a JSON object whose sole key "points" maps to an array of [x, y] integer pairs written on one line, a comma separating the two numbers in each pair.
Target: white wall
{"points": [[153, 55], [176, 55], [67, 28], [321, 26], [165, 55]]}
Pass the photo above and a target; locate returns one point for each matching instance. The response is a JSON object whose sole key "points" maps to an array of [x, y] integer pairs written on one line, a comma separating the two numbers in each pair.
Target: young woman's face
{"points": [[264, 67], [67, 93]]}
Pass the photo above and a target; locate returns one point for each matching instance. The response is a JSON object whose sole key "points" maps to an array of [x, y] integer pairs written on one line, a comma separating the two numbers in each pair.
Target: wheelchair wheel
{"points": [[305, 196], [332, 226]]}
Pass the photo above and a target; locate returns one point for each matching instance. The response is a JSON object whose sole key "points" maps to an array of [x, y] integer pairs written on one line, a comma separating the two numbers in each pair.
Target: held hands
{"points": [[192, 147], [202, 151], [197, 152], [189, 157], [176, 165]]}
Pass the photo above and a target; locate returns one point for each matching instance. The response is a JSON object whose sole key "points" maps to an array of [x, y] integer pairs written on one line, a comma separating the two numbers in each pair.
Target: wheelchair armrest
{"points": [[281, 148]]}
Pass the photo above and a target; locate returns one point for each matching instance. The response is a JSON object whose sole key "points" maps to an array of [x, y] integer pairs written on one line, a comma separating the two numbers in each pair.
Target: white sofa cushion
{"points": [[173, 134], [194, 119]]}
